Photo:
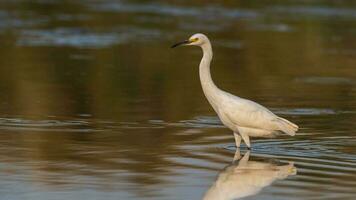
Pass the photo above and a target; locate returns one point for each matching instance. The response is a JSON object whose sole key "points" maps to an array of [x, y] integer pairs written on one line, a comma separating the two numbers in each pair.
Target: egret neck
{"points": [[210, 90]]}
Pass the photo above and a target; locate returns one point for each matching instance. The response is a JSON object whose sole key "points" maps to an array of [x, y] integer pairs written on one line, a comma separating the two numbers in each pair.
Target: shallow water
{"points": [[95, 105]]}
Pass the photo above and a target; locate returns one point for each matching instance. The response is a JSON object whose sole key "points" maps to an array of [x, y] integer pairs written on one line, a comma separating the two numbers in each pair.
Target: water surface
{"points": [[95, 105]]}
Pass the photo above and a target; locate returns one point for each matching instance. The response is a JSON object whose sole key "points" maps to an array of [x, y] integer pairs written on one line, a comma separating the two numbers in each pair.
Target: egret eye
{"points": [[194, 39]]}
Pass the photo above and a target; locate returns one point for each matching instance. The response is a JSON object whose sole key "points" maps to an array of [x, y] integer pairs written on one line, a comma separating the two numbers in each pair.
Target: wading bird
{"points": [[244, 117]]}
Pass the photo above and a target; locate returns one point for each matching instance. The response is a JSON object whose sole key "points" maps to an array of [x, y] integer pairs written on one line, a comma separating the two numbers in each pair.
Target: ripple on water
{"points": [[271, 27], [197, 122], [305, 111], [317, 11], [320, 160], [83, 38], [54, 125], [67, 37], [207, 12], [14, 20], [326, 80], [86, 124]]}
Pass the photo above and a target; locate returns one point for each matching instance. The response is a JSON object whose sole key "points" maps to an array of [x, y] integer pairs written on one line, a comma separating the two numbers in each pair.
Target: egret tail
{"points": [[287, 126]]}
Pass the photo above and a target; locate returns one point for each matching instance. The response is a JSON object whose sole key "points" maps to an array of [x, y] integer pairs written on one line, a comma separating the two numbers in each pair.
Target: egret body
{"points": [[244, 117]]}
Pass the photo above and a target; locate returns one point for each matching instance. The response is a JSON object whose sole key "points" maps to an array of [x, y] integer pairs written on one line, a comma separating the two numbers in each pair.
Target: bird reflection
{"points": [[244, 178]]}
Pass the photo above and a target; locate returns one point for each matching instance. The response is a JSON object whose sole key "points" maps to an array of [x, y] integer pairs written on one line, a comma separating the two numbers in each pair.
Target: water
{"points": [[95, 105]]}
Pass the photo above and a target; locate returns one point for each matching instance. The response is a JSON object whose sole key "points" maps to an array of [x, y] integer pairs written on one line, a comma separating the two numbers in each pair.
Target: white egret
{"points": [[244, 117]]}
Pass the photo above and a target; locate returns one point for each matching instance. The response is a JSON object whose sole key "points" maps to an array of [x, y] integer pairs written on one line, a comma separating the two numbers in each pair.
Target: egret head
{"points": [[197, 39]]}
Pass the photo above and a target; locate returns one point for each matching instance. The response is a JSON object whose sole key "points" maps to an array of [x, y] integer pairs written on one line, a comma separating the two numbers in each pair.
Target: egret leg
{"points": [[237, 155], [246, 139], [245, 158], [237, 140]]}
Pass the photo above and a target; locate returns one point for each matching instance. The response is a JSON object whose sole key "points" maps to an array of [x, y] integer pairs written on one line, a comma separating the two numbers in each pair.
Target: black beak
{"points": [[180, 43]]}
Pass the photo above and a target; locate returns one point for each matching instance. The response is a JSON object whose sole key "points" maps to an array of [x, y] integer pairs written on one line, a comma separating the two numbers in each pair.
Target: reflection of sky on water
{"points": [[82, 38]]}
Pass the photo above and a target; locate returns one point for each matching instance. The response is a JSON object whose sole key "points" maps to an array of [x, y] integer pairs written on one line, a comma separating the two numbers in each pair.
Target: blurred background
{"points": [[94, 104]]}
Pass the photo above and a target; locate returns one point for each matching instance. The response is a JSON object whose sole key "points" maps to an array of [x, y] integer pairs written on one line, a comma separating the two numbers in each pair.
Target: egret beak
{"points": [[181, 43]]}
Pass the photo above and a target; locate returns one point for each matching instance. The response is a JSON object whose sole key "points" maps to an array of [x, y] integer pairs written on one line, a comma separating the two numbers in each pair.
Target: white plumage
{"points": [[244, 117]]}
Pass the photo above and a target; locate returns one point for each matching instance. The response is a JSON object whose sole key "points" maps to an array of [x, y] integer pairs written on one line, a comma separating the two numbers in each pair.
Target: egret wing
{"points": [[246, 113]]}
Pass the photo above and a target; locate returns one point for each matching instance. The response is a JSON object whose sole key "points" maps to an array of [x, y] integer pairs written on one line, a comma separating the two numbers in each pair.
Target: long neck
{"points": [[209, 88]]}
